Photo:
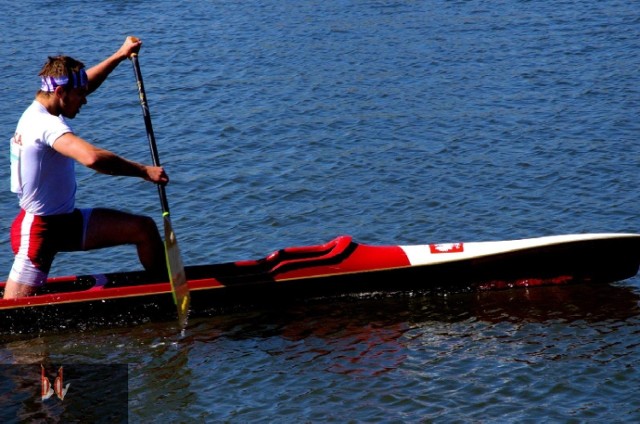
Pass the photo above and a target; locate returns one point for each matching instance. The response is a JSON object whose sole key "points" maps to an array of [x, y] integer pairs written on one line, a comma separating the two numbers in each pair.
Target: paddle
{"points": [[177, 275]]}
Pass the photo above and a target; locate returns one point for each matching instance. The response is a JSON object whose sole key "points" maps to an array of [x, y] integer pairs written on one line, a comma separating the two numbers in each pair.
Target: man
{"points": [[44, 150]]}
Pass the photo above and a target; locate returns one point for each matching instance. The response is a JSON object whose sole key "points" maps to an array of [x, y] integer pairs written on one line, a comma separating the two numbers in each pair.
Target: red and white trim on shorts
{"points": [[36, 240], [26, 270]]}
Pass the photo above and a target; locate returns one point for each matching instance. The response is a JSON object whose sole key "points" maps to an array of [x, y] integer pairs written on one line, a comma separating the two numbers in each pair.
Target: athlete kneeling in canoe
{"points": [[44, 149]]}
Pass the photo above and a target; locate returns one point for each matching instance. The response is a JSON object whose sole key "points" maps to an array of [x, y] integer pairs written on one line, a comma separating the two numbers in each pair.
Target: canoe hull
{"points": [[338, 267]]}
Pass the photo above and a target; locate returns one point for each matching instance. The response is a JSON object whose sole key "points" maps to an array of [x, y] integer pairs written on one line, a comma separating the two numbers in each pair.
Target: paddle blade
{"points": [[177, 275]]}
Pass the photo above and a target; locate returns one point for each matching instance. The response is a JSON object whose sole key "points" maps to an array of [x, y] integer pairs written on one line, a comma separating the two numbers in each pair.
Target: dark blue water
{"points": [[398, 122]]}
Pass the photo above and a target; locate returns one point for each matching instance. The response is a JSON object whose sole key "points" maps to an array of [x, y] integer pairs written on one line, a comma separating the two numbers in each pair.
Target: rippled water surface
{"points": [[398, 122]]}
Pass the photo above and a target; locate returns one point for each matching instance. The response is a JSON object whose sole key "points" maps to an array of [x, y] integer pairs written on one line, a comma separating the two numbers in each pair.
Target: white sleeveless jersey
{"points": [[44, 179]]}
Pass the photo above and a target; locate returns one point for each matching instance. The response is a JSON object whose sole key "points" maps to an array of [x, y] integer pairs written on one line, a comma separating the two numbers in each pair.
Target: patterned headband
{"points": [[80, 79]]}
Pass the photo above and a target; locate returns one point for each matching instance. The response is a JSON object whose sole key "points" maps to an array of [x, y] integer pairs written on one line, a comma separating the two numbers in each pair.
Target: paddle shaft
{"points": [[150, 135], [177, 276]]}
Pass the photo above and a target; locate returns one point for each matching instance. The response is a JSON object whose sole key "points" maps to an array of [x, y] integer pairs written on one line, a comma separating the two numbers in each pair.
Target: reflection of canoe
{"points": [[343, 266]]}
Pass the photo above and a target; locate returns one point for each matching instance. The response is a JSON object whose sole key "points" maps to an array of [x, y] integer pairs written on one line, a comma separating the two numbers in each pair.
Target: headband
{"points": [[79, 78]]}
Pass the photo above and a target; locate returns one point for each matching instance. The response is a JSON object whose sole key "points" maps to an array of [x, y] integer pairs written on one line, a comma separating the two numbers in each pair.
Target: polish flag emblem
{"points": [[447, 248]]}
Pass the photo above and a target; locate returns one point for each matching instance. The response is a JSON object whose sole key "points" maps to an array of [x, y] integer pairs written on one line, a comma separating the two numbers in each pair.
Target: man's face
{"points": [[71, 100]]}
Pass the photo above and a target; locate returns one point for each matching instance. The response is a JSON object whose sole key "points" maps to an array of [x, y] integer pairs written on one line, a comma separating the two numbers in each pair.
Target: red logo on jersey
{"points": [[17, 138]]}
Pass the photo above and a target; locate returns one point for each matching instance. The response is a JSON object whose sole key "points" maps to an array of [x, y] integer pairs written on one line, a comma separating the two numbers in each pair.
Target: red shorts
{"points": [[35, 240]]}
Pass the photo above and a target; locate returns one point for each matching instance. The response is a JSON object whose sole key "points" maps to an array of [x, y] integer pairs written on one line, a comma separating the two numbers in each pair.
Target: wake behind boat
{"points": [[341, 266]]}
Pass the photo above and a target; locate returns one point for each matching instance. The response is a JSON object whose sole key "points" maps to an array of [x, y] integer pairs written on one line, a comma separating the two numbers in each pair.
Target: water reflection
{"points": [[374, 334], [392, 312], [589, 302], [326, 318], [319, 343]]}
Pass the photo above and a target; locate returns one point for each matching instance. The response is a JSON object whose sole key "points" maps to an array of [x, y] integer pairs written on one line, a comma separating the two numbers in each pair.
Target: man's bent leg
{"points": [[108, 227]]}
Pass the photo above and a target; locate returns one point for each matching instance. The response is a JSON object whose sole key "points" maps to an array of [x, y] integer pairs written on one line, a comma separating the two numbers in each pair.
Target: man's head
{"points": [[65, 79]]}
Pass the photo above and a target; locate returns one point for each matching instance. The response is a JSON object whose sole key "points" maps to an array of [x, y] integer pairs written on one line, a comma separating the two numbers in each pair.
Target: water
{"points": [[288, 123]]}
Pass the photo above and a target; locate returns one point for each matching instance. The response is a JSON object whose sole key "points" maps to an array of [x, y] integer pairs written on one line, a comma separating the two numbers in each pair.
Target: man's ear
{"points": [[59, 91]]}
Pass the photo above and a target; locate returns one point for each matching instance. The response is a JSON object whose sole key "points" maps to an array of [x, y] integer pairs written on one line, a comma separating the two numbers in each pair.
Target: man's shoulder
{"points": [[35, 115], [36, 108], [38, 127]]}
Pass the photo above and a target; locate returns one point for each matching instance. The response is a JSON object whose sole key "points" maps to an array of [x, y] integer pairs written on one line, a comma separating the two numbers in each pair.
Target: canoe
{"points": [[340, 266]]}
